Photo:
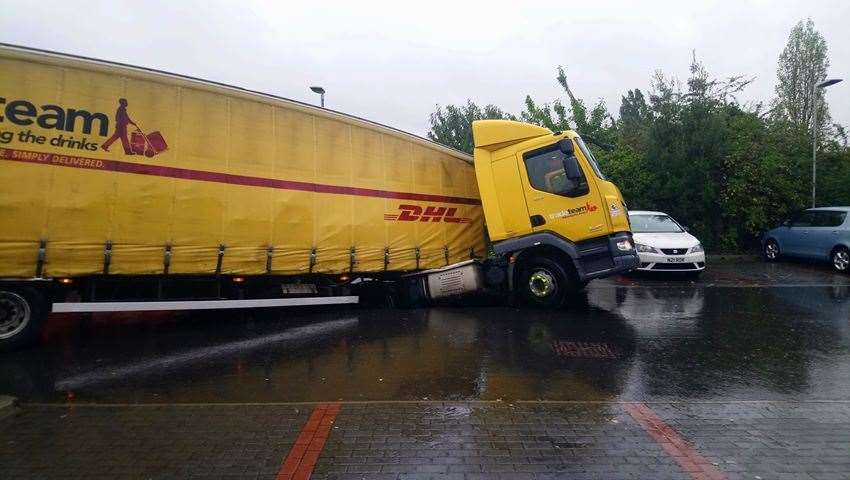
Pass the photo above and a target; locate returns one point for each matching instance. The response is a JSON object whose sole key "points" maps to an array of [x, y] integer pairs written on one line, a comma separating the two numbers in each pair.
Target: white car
{"points": [[665, 246]]}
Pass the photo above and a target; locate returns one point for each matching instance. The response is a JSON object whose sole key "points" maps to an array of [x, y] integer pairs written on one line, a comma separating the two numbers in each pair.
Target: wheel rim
{"points": [[542, 283], [771, 250], [841, 260], [14, 314]]}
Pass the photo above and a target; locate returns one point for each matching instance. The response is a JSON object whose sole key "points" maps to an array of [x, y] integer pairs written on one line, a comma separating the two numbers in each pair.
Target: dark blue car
{"points": [[821, 233]]}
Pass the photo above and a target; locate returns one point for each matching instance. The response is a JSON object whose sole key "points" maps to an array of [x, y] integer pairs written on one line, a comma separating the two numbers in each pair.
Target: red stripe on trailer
{"points": [[218, 177]]}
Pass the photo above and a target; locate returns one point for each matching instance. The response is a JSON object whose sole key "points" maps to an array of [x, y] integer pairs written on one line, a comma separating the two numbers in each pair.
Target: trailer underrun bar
{"points": [[94, 307]]}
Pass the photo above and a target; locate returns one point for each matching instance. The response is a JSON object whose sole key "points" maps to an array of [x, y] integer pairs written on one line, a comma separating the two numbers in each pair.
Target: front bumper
{"points": [[659, 262], [601, 257]]}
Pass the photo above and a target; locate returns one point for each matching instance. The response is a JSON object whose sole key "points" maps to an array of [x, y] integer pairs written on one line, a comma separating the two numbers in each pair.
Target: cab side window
{"points": [[546, 173]]}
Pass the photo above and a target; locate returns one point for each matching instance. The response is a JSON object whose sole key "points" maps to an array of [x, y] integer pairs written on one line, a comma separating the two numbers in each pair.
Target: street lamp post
{"points": [[321, 92], [815, 88]]}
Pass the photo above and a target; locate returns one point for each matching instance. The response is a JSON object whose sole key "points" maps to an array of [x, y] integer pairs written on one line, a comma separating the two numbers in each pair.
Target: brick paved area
{"points": [[770, 440], [486, 442], [148, 442]]}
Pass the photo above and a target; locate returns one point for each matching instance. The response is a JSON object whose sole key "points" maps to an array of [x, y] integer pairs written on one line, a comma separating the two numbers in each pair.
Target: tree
{"points": [[727, 170], [635, 117], [452, 125], [761, 179], [586, 123], [557, 117], [550, 115], [802, 65]]}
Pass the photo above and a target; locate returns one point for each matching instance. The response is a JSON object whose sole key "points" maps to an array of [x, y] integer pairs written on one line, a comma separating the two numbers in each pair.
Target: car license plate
{"points": [[675, 260]]}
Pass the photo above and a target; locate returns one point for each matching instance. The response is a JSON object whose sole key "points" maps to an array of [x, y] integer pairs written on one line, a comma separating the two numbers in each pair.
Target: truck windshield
{"points": [[590, 158]]}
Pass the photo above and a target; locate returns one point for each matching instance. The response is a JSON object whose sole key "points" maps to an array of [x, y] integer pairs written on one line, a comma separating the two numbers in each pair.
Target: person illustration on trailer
{"points": [[122, 119]]}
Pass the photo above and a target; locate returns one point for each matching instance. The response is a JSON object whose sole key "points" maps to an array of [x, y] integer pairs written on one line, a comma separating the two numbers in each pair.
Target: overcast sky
{"points": [[393, 62]]}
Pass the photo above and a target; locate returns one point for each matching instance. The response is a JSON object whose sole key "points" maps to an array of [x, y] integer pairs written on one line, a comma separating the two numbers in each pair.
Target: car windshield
{"points": [[658, 223]]}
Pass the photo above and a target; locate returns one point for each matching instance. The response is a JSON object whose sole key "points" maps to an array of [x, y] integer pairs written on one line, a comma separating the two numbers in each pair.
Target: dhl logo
{"points": [[414, 213]]}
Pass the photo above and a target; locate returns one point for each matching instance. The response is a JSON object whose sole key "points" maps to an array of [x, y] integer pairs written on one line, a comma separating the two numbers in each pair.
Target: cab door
{"points": [[566, 203]]}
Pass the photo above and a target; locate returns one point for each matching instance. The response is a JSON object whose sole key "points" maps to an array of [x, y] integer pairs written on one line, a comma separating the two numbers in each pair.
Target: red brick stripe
{"points": [[677, 447], [218, 177], [304, 454]]}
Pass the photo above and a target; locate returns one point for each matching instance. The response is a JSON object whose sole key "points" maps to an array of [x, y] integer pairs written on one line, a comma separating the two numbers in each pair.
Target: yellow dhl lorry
{"points": [[128, 189]]}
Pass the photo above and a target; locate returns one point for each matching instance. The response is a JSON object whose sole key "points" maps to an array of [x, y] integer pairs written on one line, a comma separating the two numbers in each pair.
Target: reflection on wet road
{"points": [[737, 334]]}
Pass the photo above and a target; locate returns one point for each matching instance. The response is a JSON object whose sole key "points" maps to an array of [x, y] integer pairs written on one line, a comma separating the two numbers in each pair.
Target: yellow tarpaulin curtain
{"points": [[240, 172]]}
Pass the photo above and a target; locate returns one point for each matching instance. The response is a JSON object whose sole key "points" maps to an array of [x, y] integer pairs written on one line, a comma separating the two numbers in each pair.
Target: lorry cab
{"points": [[549, 209]]}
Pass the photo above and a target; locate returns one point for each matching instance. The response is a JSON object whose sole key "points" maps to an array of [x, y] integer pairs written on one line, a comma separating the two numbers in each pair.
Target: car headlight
{"points": [[697, 248], [645, 248]]}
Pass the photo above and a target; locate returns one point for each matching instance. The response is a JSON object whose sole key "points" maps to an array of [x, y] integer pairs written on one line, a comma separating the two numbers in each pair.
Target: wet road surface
{"points": [[741, 333], [743, 372]]}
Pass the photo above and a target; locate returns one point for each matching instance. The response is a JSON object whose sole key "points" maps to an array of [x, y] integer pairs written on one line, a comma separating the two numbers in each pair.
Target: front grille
{"points": [[674, 251], [675, 266], [593, 246]]}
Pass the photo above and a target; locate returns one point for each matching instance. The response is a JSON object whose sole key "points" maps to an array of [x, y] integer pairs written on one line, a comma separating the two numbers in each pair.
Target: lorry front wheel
{"points": [[22, 315], [545, 283]]}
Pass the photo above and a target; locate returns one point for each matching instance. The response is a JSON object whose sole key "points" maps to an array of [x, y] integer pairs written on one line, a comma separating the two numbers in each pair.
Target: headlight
{"points": [[697, 248], [645, 248], [624, 246]]}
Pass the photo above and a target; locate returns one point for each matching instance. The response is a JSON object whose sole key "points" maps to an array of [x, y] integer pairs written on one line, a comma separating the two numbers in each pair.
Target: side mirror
{"points": [[786, 223], [686, 228], [566, 145], [572, 169]]}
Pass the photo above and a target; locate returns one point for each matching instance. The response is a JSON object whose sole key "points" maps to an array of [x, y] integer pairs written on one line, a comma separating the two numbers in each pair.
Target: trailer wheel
{"points": [[545, 283], [22, 315]]}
